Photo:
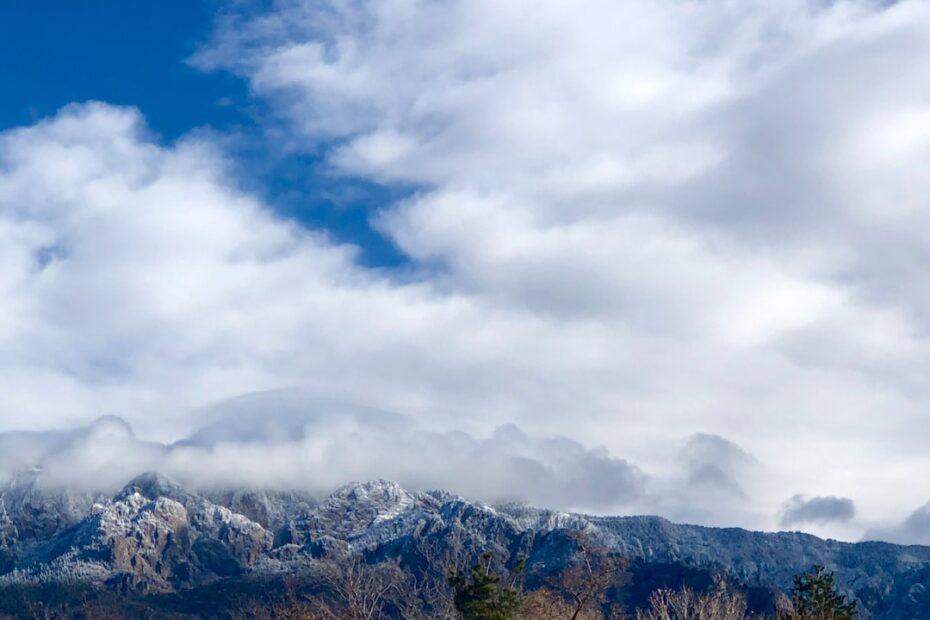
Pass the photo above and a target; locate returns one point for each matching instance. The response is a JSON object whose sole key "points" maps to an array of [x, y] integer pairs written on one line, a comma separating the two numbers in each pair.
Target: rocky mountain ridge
{"points": [[155, 536]]}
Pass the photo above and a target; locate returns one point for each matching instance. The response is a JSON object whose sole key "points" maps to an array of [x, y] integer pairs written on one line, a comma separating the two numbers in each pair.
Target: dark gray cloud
{"points": [[823, 510]]}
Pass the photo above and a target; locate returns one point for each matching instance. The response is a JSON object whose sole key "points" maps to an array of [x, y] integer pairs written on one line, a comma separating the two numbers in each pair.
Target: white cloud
{"points": [[636, 221], [290, 440], [728, 196]]}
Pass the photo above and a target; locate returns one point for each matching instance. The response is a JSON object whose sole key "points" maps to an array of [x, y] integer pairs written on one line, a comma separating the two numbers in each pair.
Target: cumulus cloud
{"points": [[822, 510], [729, 194], [632, 222], [137, 279], [686, 168]]}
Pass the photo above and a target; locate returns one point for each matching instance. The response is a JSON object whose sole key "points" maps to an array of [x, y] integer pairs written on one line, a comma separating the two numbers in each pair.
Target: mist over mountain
{"points": [[289, 440], [283, 439]]}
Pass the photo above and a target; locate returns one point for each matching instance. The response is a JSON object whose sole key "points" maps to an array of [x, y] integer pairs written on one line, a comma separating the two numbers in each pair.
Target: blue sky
{"points": [[671, 254], [127, 53], [135, 54]]}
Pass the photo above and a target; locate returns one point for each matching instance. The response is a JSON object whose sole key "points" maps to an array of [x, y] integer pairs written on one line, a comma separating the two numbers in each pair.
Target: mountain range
{"points": [[155, 538]]}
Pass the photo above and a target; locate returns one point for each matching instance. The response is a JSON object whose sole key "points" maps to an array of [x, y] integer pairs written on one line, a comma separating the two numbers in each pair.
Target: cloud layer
{"points": [[632, 224]]}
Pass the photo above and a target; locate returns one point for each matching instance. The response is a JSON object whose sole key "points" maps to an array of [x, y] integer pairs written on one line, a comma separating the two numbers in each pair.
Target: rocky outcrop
{"points": [[152, 536]]}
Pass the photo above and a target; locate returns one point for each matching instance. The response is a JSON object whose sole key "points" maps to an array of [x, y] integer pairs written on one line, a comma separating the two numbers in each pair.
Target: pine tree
{"points": [[814, 597], [480, 595]]}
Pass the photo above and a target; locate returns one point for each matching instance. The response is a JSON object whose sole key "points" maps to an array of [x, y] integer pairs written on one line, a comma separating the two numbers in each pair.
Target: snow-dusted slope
{"points": [[153, 535]]}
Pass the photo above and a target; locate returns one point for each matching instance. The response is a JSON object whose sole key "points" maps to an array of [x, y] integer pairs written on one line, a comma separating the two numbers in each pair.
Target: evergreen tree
{"points": [[480, 595], [814, 597]]}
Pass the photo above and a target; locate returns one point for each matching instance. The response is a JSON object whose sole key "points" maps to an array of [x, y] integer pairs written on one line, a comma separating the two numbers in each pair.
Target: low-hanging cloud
{"points": [[285, 440], [800, 510], [913, 530], [713, 481], [717, 464]]}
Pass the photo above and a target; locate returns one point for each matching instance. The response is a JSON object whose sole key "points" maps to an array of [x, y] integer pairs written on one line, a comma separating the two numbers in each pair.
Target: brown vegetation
{"points": [[721, 603]]}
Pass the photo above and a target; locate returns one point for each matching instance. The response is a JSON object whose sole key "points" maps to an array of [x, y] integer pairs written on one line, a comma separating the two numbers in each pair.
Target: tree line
{"points": [[457, 584], [587, 589]]}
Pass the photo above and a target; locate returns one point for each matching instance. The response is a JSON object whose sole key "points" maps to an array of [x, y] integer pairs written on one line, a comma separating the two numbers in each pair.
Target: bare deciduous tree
{"points": [[584, 584], [359, 591], [432, 587], [720, 603], [544, 604], [293, 606], [351, 590]]}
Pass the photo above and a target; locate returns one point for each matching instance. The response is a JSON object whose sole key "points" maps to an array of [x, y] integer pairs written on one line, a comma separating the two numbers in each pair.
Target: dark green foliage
{"points": [[482, 596], [814, 597]]}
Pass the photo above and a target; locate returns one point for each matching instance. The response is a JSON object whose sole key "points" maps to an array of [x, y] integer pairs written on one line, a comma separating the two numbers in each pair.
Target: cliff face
{"points": [[155, 536]]}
